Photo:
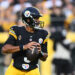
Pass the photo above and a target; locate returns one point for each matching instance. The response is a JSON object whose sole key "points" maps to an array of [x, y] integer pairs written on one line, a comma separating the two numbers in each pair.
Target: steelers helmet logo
{"points": [[27, 13]]}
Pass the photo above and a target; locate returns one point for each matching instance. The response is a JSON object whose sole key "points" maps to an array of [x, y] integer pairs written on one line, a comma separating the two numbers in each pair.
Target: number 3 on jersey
{"points": [[26, 60]]}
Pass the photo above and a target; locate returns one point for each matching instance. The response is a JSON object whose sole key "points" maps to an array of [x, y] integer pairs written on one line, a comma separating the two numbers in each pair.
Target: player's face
{"points": [[37, 20], [39, 23]]}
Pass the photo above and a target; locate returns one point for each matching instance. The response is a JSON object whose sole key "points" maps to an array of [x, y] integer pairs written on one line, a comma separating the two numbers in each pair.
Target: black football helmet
{"points": [[29, 15]]}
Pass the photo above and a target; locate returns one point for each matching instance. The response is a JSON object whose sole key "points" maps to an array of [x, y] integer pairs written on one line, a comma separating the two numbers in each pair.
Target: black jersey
{"points": [[19, 35]]}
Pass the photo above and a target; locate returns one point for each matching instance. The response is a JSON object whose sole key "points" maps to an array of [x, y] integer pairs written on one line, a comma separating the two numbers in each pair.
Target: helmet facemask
{"points": [[39, 25]]}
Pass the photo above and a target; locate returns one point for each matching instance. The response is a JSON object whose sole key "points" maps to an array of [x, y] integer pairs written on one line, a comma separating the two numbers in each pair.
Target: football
{"points": [[32, 54]]}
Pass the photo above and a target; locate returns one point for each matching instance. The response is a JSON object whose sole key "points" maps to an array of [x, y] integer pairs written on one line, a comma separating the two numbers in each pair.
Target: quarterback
{"points": [[27, 44]]}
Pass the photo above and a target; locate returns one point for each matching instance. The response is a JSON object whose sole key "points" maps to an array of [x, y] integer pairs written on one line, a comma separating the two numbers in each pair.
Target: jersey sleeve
{"points": [[13, 32], [12, 36], [44, 45]]}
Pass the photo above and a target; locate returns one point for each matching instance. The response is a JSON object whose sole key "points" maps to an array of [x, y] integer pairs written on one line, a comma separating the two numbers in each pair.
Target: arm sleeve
{"points": [[13, 32], [44, 45]]}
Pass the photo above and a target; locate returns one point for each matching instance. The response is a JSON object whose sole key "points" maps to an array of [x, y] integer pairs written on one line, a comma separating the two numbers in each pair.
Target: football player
{"points": [[23, 39]]}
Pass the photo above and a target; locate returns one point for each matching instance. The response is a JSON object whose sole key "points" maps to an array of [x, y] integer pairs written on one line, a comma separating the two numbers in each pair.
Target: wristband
{"points": [[21, 47]]}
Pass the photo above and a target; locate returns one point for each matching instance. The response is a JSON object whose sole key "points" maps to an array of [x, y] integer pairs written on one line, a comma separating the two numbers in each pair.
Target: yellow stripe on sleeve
{"points": [[14, 35], [12, 31], [47, 37], [45, 41]]}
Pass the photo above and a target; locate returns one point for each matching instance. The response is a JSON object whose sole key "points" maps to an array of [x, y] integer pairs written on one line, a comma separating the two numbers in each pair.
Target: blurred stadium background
{"points": [[10, 15]]}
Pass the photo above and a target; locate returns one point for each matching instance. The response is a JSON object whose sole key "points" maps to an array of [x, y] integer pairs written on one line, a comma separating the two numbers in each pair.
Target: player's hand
{"points": [[31, 45], [35, 45], [39, 47]]}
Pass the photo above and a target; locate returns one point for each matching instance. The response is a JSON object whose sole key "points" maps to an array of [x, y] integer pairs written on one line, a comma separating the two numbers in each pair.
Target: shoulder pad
{"points": [[13, 31]]}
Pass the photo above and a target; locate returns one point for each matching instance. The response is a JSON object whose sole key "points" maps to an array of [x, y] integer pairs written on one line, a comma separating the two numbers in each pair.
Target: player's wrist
{"points": [[25, 47], [21, 47]]}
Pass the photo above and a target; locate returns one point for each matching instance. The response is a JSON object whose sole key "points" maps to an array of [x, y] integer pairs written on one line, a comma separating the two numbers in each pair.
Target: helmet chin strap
{"points": [[37, 27]]}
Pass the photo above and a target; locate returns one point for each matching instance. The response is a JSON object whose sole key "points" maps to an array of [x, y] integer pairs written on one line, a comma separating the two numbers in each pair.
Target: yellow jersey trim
{"points": [[45, 41], [14, 35]]}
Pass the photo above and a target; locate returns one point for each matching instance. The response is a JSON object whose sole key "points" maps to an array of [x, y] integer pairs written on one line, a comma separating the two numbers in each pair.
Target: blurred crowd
{"points": [[59, 21]]}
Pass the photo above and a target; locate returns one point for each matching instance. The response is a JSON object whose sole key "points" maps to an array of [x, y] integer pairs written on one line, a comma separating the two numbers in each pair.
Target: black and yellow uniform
{"points": [[18, 35]]}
